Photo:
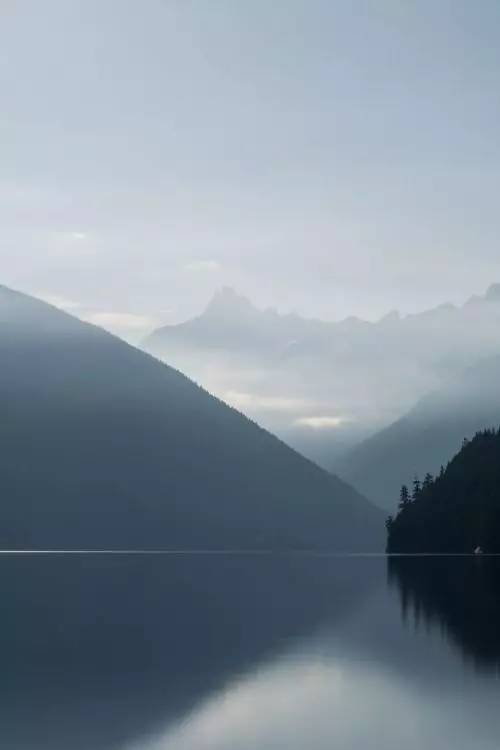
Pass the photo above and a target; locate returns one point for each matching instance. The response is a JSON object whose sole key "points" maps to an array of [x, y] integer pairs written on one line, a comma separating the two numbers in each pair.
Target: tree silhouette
{"points": [[404, 497], [457, 512], [428, 481], [416, 489]]}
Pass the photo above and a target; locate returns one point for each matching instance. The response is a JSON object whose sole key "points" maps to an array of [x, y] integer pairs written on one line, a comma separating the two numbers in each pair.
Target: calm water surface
{"points": [[243, 652]]}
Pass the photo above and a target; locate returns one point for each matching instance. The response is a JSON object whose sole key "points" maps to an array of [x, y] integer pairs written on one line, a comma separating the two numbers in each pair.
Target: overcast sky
{"points": [[329, 157]]}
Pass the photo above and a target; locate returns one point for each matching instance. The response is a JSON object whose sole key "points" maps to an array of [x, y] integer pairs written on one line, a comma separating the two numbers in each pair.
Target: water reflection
{"points": [[239, 653], [460, 595], [96, 652], [355, 709]]}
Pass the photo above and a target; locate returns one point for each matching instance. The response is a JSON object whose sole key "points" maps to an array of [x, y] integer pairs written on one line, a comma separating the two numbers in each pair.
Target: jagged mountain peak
{"points": [[228, 301], [393, 316], [493, 293]]}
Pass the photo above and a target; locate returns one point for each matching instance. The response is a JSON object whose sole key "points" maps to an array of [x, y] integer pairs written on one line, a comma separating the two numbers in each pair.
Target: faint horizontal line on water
{"points": [[251, 552], [248, 552]]}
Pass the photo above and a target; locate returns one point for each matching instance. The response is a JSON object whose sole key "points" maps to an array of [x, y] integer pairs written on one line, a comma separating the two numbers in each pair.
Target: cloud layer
{"points": [[149, 161]]}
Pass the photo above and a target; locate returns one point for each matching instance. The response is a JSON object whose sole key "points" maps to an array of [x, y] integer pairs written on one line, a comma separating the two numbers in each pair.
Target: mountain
{"points": [[325, 386], [102, 446], [457, 511], [265, 364], [231, 321], [427, 436]]}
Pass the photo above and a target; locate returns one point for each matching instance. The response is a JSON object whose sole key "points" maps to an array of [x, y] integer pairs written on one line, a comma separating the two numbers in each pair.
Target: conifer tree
{"points": [[428, 481], [417, 488], [457, 512], [404, 497]]}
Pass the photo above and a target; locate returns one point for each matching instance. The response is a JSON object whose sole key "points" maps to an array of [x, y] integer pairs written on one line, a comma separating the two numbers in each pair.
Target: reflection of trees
{"points": [[459, 594]]}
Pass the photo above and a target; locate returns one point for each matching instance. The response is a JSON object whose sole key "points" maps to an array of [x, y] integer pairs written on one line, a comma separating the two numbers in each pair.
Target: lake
{"points": [[249, 652]]}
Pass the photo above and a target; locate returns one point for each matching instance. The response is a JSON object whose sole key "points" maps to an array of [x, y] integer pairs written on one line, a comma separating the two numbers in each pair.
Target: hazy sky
{"points": [[332, 157]]}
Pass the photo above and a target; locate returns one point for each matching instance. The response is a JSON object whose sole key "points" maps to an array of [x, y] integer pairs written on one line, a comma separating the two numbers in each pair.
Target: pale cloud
{"points": [[321, 422], [67, 244], [121, 321], [72, 236], [248, 183], [58, 301], [202, 266], [242, 400]]}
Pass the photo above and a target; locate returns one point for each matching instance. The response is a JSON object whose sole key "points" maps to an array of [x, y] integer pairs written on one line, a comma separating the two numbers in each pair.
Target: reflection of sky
{"points": [[369, 683], [232, 653], [321, 704]]}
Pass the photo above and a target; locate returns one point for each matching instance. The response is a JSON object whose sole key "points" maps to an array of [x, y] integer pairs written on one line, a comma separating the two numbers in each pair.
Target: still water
{"points": [[244, 652]]}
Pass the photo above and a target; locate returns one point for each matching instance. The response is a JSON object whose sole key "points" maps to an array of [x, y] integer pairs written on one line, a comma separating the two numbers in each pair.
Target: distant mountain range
{"points": [[325, 387], [102, 446]]}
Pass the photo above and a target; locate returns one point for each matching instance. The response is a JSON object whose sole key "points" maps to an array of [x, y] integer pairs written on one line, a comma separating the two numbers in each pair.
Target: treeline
{"points": [[456, 511]]}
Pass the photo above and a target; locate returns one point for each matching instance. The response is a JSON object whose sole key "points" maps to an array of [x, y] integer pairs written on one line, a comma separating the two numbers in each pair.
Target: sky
{"points": [[327, 157]]}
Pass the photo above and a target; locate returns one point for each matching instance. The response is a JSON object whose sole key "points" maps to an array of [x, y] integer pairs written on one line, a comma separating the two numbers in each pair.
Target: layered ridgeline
{"points": [[325, 386], [426, 437], [103, 446], [459, 510], [275, 368]]}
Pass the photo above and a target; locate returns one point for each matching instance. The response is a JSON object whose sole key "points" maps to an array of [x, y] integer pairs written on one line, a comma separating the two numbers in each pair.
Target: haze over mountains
{"points": [[425, 438], [325, 387], [102, 446]]}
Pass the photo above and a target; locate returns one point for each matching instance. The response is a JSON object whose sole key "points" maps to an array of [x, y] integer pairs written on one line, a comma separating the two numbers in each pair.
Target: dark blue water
{"points": [[244, 652]]}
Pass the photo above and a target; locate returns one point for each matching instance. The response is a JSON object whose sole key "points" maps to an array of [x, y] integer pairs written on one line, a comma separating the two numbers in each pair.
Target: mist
{"points": [[249, 374], [324, 386]]}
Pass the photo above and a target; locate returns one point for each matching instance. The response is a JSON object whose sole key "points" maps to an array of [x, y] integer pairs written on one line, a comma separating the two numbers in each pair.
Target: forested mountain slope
{"points": [[459, 510]]}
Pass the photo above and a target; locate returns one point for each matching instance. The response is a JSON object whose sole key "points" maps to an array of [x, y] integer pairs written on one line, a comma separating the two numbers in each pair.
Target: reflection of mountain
{"points": [[101, 651], [110, 652], [461, 595], [286, 371], [427, 437], [103, 446]]}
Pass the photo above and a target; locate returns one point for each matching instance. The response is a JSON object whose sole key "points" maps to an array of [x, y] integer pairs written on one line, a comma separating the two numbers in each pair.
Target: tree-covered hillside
{"points": [[426, 436], [457, 511]]}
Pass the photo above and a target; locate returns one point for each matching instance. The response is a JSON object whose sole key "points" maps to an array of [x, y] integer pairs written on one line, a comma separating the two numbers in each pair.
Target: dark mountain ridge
{"points": [[104, 446]]}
